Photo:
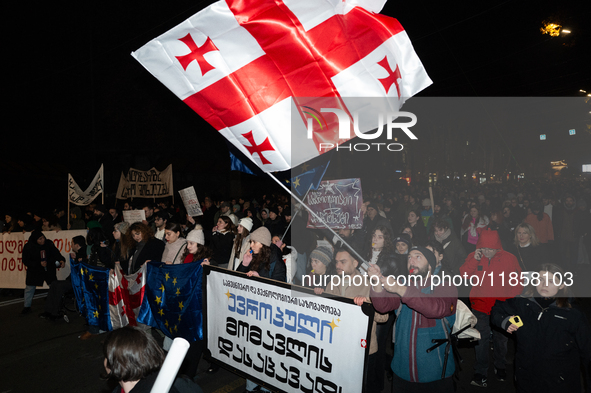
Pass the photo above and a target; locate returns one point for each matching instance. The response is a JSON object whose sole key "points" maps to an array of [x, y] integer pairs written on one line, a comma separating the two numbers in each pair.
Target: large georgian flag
{"points": [[246, 65]]}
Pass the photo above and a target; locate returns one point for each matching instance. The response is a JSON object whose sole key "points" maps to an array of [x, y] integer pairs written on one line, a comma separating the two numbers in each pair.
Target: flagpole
{"points": [[364, 265], [295, 215]]}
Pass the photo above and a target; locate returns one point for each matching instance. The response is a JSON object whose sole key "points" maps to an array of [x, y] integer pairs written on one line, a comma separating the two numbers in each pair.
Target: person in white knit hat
{"points": [[241, 243], [196, 249]]}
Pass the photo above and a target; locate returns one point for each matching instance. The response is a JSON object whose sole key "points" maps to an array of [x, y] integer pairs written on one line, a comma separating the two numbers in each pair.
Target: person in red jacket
{"points": [[494, 267]]}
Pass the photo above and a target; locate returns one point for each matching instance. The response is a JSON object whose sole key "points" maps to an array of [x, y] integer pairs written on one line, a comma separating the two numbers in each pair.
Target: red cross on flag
{"points": [[247, 66], [125, 296]]}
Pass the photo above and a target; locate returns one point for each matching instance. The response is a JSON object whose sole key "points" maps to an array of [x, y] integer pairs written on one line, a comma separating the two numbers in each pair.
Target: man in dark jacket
{"points": [[40, 256]]}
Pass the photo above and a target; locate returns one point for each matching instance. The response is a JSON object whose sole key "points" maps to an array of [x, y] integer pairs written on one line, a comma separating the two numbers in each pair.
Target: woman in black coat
{"points": [[146, 247], [222, 241], [264, 260]]}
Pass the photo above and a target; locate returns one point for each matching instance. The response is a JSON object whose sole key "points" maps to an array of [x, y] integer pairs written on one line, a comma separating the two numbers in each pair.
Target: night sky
{"points": [[77, 98]]}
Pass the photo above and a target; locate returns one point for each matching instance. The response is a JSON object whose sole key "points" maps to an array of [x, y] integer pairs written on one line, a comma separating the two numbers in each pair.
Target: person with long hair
{"points": [[553, 337], [123, 245], [383, 251], [222, 240], [133, 359], [419, 230], [146, 247], [526, 247], [472, 224], [263, 258], [175, 244], [241, 242], [196, 249]]}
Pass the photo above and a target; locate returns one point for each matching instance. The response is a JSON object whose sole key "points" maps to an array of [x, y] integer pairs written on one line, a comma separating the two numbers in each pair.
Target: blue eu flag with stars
{"points": [[173, 300], [91, 287]]}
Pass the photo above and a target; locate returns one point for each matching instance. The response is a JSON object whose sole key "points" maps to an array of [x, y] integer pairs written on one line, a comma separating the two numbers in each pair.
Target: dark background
{"points": [[77, 98]]}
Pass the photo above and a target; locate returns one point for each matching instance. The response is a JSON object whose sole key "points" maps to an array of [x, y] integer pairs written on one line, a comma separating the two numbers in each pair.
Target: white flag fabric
{"points": [[255, 69], [83, 198], [126, 293]]}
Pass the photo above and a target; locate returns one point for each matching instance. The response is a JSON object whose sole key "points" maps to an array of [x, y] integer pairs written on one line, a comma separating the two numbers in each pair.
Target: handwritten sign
{"points": [[338, 203], [132, 216], [191, 202]]}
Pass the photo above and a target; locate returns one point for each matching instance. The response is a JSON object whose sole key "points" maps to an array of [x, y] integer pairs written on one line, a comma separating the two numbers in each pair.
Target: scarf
{"points": [[444, 236]]}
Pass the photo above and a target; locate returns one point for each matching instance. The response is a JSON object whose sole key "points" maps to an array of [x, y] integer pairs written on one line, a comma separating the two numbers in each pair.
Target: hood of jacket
{"points": [[489, 239]]}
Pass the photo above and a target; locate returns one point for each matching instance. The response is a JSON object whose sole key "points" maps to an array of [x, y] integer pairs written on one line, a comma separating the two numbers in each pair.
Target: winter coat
{"points": [[544, 230], [530, 258], [454, 254], [221, 244], [151, 251], [550, 345], [277, 269], [419, 321], [173, 252], [490, 289], [32, 252]]}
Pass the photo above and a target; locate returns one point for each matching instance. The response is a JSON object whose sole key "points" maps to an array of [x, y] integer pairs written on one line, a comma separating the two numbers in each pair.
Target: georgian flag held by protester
{"points": [[247, 67]]}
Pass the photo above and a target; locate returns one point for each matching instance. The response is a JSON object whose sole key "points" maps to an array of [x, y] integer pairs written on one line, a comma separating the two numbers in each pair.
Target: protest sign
{"points": [[132, 216], [191, 202], [83, 198], [338, 203], [283, 337], [12, 269], [145, 184]]}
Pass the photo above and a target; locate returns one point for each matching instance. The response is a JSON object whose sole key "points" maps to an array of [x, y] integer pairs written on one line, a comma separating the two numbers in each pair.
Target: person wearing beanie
{"points": [[403, 244], [241, 243], [421, 307], [490, 259], [322, 266], [262, 260], [121, 249], [196, 249]]}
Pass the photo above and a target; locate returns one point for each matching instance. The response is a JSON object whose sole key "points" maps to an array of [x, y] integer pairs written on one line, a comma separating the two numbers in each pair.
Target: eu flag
{"points": [[91, 287], [309, 180], [173, 300], [237, 165]]}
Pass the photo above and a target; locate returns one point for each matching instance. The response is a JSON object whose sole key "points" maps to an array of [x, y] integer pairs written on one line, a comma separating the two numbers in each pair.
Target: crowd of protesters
{"points": [[542, 228]]}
